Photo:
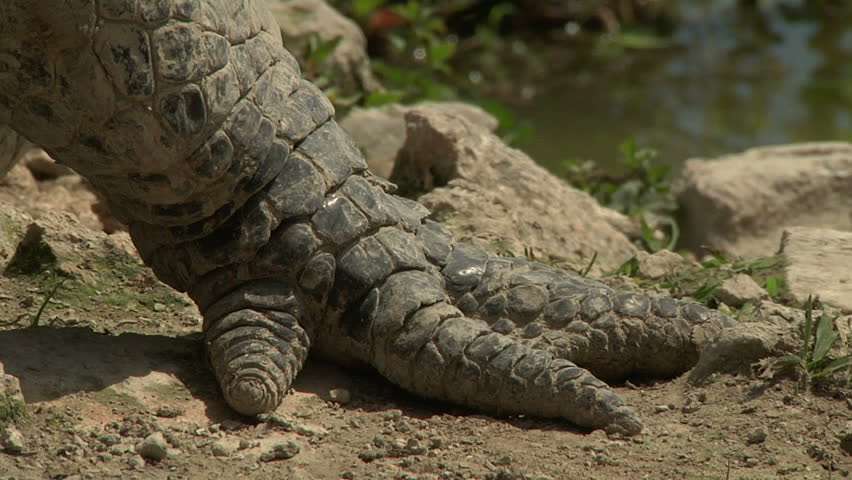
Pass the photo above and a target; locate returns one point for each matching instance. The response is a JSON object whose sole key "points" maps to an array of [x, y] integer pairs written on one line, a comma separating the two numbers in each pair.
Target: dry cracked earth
{"points": [[116, 386]]}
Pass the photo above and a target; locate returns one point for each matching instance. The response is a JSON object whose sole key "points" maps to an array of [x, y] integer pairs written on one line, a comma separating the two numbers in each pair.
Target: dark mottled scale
{"points": [[125, 53], [362, 266], [325, 148], [465, 267], [339, 221], [300, 192], [561, 312], [467, 303], [665, 307], [494, 306], [320, 108], [289, 247], [403, 249], [494, 278], [436, 241], [369, 200], [595, 305], [317, 275], [527, 300], [632, 304]]}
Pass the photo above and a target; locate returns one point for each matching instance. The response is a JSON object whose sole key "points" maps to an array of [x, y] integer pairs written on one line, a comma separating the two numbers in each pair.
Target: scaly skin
{"points": [[240, 189]]}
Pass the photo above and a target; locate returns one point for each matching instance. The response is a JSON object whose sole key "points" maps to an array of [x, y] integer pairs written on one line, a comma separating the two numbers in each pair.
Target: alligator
{"points": [[239, 188]]}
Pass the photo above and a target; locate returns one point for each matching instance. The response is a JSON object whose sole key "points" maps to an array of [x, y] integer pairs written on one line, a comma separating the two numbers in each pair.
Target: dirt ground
{"points": [[117, 357]]}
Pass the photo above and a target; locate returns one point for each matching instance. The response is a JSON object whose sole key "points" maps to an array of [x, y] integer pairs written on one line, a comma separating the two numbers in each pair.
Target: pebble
{"points": [[281, 451], [168, 411], [661, 408], [309, 430], [223, 448], [153, 447], [845, 438], [11, 439], [758, 435], [137, 462], [340, 395]]}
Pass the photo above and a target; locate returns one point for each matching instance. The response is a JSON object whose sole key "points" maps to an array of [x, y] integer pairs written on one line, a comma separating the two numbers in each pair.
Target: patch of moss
{"points": [[11, 408], [170, 391], [108, 396]]}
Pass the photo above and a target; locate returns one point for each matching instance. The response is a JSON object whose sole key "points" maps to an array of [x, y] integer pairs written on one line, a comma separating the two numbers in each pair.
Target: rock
{"points": [[224, 448], [281, 451], [154, 447], [845, 437], [741, 203], [380, 131], [58, 240], [735, 349], [12, 147], [136, 462], [496, 197], [299, 20], [11, 439], [817, 262], [757, 435], [10, 386], [340, 395], [663, 264], [309, 430], [738, 290]]}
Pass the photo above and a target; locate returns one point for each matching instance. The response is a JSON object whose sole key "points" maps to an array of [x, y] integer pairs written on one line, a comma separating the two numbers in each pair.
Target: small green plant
{"points": [[814, 361], [316, 54], [642, 192], [11, 408], [49, 295]]}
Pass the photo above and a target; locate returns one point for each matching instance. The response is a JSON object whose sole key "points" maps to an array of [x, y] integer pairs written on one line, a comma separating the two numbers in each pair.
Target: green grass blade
{"points": [[825, 338], [809, 325], [833, 366]]}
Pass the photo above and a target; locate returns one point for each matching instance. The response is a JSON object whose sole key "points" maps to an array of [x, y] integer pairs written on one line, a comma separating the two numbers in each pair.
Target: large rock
{"points": [[301, 19], [741, 203], [818, 262], [497, 197], [380, 131]]}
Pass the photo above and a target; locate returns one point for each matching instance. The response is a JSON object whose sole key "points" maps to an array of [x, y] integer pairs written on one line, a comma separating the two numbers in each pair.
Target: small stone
{"points": [[402, 426], [136, 462], [738, 290], [11, 439], [244, 444], [758, 435], [159, 307], [750, 462], [168, 411], [109, 439], [340, 395], [154, 447], [223, 448], [281, 451], [661, 408], [845, 438], [309, 430], [436, 442]]}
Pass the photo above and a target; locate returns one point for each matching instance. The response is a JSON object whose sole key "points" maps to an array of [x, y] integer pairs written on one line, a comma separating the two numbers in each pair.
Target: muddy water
{"points": [[733, 77]]}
